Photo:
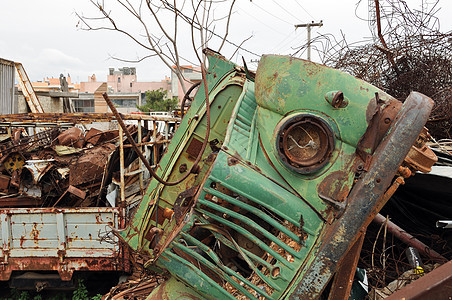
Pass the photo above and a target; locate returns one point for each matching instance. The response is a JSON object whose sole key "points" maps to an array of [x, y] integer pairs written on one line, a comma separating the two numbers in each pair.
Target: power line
{"points": [[296, 1], [272, 14], [286, 10], [192, 21], [283, 43], [263, 23]]}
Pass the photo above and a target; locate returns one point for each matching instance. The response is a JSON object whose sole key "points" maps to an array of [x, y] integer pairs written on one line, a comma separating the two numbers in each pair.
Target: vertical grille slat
{"points": [[242, 131], [250, 236], [222, 273], [251, 223], [256, 201], [228, 243], [244, 120], [170, 256], [218, 261], [255, 211]]}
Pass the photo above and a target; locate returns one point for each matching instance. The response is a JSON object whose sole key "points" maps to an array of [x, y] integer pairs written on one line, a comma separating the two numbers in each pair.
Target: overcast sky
{"points": [[44, 35]]}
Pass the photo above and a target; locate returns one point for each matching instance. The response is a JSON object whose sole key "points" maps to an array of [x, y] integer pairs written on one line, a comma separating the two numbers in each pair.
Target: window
{"points": [[83, 105], [130, 84], [119, 79], [124, 102]]}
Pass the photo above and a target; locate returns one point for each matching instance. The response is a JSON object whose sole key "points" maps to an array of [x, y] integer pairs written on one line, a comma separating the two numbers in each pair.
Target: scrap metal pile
{"points": [[61, 167]]}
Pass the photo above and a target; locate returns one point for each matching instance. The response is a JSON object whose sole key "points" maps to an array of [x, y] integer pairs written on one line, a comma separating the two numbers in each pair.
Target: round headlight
{"points": [[305, 143]]}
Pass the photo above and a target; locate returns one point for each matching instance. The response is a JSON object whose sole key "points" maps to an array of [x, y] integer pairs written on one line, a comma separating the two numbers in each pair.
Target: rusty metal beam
{"points": [[27, 89], [121, 164], [343, 280], [435, 285], [140, 166], [154, 138], [149, 143], [65, 269], [20, 202], [77, 118]]}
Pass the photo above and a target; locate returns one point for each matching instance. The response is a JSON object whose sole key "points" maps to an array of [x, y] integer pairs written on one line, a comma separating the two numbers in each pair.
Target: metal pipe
{"points": [[154, 137], [140, 166], [408, 239], [187, 97], [121, 163]]}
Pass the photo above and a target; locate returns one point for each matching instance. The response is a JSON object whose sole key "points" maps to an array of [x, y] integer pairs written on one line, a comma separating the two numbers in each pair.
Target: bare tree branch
{"points": [[155, 35], [227, 26]]}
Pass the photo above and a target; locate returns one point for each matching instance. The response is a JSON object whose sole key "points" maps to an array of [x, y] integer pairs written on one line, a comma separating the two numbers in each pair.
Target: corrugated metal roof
{"points": [[7, 72]]}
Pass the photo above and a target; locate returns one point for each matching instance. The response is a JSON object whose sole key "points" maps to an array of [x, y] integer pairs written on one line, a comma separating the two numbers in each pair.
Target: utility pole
{"points": [[308, 28]]}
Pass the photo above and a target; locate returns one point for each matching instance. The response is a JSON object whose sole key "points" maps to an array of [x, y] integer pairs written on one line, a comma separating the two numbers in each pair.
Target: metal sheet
{"points": [[58, 239], [435, 285], [7, 72]]}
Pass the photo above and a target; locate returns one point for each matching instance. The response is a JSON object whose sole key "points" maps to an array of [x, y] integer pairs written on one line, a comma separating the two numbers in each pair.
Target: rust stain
{"points": [[35, 232], [90, 166], [232, 161], [335, 186]]}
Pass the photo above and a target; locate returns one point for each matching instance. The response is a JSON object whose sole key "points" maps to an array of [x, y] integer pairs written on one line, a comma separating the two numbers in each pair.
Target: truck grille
{"points": [[248, 249]]}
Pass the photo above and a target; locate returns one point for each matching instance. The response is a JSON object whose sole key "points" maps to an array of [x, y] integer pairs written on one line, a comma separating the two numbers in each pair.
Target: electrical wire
{"points": [[296, 1], [263, 23], [282, 20], [289, 39], [194, 22], [286, 10]]}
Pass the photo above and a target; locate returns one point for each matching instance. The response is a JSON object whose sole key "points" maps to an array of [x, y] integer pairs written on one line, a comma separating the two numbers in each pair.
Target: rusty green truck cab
{"points": [[298, 158]]}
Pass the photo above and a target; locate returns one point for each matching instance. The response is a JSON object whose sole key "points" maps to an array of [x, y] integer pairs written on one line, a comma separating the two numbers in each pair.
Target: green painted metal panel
{"points": [[222, 94], [248, 224]]}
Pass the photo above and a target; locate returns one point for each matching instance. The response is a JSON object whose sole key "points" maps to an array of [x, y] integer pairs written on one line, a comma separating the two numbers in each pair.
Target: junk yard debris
{"points": [[265, 191]]}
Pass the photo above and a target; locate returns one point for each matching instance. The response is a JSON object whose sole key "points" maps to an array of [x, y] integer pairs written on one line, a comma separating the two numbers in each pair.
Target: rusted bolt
{"points": [[196, 169], [211, 157], [232, 161], [337, 99], [183, 168], [249, 245], [276, 271], [153, 236], [387, 120], [213, 184], [404, 172], [378, 180], [167, 213]]}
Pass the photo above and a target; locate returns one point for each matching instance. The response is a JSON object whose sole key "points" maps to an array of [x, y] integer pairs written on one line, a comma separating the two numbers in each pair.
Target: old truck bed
{"points": [[59, 239]]}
